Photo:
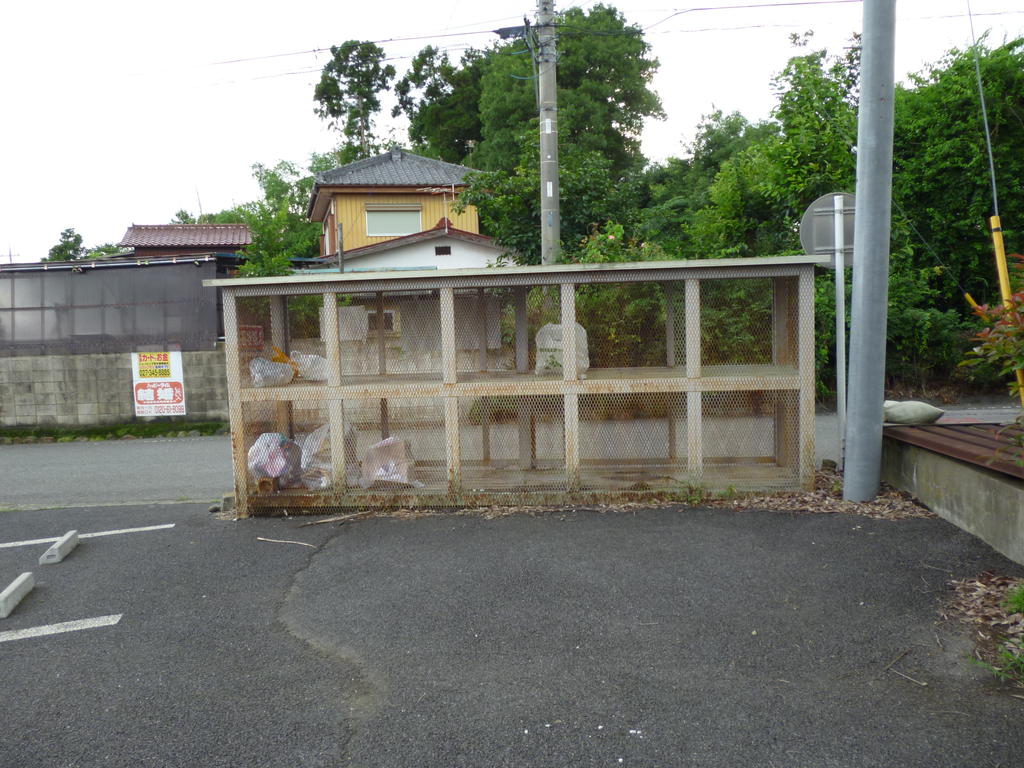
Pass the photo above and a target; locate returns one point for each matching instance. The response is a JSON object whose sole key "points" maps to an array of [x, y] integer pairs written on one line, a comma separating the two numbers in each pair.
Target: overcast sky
{"points": [[113, 113]]}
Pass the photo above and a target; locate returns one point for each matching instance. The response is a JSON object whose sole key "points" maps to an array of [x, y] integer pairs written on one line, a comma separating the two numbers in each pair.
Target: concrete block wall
{"points": [[988, 504], [92, 390]]}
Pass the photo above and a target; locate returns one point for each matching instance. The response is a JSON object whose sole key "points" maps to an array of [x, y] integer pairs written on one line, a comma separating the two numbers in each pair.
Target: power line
{"points": [[360, 42], [748, 7], [630, 31]]}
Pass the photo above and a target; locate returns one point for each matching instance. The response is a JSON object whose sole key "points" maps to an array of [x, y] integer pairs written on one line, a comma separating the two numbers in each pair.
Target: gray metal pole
{"points": [[549, 215], [838, 230], [871, 253]]}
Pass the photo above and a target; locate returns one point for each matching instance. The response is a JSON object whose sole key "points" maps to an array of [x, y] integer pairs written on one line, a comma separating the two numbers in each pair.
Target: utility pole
{"points": [[549, 210], [871, 253]]}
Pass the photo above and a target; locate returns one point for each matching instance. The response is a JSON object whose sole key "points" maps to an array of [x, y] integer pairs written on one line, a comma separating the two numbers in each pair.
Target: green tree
{"points": [[482, 110], [280, 231], [69, 248], [760, 192], [604, 74], [441, 101], [227, 216], [592, 193], [941, 180], [347, 94], [682, 186], [102, 251]]}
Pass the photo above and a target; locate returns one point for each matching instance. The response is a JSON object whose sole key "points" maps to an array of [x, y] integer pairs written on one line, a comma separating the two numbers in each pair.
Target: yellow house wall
{"points": [[351, 210]]}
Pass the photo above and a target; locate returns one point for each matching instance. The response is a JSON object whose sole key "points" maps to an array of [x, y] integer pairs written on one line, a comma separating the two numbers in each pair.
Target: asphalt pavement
{"points": [[106, 472], [643, 637]]}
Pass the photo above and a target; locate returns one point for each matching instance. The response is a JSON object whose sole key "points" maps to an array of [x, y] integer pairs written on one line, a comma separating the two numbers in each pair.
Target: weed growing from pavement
{"points": [[692, 494], [1015, 600], [991, 602], [1008, 664]]}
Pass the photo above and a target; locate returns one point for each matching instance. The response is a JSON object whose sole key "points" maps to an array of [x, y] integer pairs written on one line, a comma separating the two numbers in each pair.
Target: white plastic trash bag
{"points": [[549, 349], [910, 412], [316, 458], [389, 463], [274, 455], [311, 367], [269, 374], [317, 467]]}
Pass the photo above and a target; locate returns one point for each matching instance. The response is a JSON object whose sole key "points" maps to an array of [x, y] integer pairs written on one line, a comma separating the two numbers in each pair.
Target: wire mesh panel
{"points": [[634, 442], [390, 334], [512, 443], [632, 325], [531, 385], [399, 445], [736, 321], [749, 438]]}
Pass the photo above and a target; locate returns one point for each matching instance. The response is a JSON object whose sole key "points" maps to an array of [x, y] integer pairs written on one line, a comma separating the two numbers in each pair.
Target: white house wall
{"points": [[464, 255]]}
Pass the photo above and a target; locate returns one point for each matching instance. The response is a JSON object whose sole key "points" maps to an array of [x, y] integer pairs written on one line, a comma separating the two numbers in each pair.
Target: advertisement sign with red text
{"points": [[158, 384]]}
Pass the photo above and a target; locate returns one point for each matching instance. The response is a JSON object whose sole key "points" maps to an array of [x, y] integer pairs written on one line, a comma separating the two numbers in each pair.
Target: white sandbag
{"points": [[549, 349], [910, 412]]}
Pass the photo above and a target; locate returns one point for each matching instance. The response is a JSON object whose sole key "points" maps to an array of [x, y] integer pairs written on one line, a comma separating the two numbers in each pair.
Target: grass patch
{"points": [[67, 434], [1015, 600]]}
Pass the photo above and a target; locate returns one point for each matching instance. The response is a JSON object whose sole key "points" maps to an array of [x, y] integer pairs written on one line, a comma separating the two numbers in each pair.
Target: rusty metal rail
{"points": [[992, 446]]}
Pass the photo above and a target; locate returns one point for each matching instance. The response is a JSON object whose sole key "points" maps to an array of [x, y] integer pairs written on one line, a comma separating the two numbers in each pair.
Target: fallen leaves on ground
{"points": [[980, 602], [827, 497]]}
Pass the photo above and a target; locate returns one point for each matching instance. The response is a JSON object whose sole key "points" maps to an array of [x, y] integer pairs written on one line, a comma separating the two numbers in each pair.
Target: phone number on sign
{"points": [[162, 410]]}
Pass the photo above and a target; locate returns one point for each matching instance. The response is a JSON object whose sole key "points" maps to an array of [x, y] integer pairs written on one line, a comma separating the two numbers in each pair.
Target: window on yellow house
{"points": [[393, 221]]}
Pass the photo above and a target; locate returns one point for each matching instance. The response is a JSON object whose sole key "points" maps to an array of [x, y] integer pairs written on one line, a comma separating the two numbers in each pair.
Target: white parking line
{"points": [[56, 629], [33, 542]]}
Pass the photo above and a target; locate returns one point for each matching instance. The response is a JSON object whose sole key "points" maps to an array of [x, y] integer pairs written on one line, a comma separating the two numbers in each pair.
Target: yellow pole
{"points": [[1004, 285]]}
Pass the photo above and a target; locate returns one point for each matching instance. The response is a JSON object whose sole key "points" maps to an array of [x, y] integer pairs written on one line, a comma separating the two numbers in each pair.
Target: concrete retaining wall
{"points": [[987, 504], [90, 390]]}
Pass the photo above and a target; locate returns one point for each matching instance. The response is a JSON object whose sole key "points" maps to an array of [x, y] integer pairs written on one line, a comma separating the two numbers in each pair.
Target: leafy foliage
{"points": [[681, 187], [347, 94], [625, 322], [278, 223], [69, 248], [106, 249], [509, 202], [760, 190], [1001, 340], [441, 101], [480, 111], [941, 180], [603, 94]]}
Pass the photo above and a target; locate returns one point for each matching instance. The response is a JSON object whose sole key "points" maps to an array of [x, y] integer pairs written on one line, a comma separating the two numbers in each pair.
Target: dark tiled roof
{"points": [[186, 236], [396, 168]]}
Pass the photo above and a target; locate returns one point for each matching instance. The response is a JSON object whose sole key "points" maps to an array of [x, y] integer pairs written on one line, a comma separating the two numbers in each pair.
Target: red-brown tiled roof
{"points": [[186, 236]]}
